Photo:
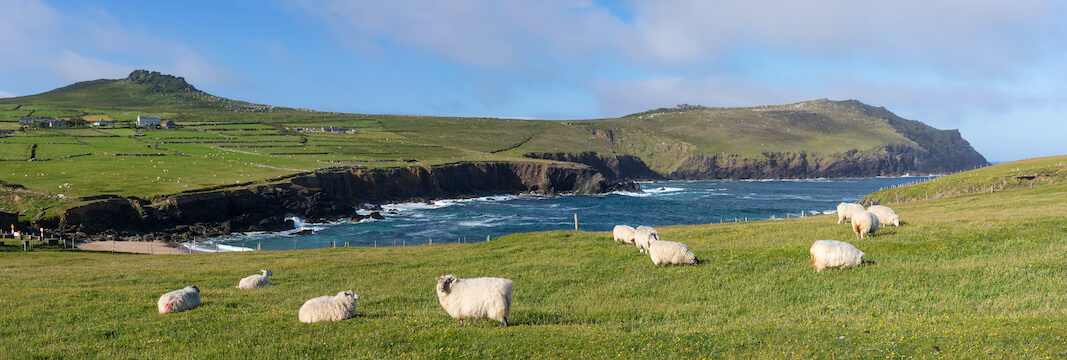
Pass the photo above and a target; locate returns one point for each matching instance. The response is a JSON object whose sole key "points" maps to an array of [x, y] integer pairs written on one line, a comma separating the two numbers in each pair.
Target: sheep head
{"points": [[266, 272], [444, 283], [348, 294]]}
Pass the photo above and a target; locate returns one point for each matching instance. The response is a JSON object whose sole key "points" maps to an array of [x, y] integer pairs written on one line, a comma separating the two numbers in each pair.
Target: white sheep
{"points": [[864, 222], [670, 252], [834, 254], [179, 300], [624, 233], [643, 235], [845, 210], [255, 281], [329, 308], [885, 215], [479, 298]]}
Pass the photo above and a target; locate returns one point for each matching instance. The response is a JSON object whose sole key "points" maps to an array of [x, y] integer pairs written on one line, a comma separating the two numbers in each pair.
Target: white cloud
{"points": [[954, 36], [5, 94], [78, 44], [473, 32], [628, 97], [79, 67]]}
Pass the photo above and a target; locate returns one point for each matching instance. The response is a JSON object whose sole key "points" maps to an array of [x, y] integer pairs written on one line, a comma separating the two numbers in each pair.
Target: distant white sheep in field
{"points": [[643, 235], [329, 308], [255, 281], [478, 298], [834, 254], [885, 215], [670, 252], [845, 210], [624, 234], [179, 300], [864, 222]]}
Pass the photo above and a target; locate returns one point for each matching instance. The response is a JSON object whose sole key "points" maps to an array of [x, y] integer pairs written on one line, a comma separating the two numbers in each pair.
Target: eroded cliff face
{"points": [[890, 160], [318, 196], [622, 167]]}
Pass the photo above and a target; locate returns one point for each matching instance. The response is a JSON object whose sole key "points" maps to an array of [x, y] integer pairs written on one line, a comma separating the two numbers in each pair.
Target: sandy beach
{"points": [[140, 247]]}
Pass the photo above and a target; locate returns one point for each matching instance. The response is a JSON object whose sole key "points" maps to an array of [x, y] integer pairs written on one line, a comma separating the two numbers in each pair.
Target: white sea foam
{"points": [[437, 204], [650, 191], [297, 222], [210, 246]]}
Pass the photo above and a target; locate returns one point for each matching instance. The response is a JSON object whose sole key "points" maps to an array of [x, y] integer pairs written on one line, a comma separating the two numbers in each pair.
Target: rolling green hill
{"points": [[141, 90], [964, 277]]}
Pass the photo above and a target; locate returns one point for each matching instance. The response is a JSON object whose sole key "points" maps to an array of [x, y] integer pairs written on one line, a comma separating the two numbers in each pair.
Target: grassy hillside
{"points": [[819, 126], [965, 277], [1027, 173], [141, 90]]}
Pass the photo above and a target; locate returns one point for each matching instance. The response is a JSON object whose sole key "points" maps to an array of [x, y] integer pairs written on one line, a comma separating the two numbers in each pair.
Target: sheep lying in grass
{"points": [[255, 281], [670, 252], [834, 254], [885, 215], [624, 233], [864, 222], [643, 235], [179, 300], [479, 298], [845, 210], [329, 308]]}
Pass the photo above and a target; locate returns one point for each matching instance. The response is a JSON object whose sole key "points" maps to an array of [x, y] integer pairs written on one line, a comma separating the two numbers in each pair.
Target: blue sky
{"points": [[992, 69]]}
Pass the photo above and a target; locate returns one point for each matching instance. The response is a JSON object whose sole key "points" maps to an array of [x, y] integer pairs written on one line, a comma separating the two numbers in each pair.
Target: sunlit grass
{"points": [[977, 276]]}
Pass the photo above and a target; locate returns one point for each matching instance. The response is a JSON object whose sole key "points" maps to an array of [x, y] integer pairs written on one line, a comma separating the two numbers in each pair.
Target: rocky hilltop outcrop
{"points": [[317, 196]]}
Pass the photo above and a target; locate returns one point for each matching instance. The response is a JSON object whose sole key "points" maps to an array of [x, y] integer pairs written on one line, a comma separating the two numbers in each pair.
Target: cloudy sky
{"points": [[992, 69]]}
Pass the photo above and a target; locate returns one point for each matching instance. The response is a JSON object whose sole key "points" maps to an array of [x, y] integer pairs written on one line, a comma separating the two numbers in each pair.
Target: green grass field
{"points": [[966, 277]]}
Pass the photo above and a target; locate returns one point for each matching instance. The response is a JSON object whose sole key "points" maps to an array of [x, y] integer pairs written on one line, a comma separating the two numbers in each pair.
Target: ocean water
{"points": [[660, 204]]}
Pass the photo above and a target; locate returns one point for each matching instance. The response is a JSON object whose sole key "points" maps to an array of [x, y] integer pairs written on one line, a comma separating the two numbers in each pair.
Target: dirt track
{"points": [[140, 247]]}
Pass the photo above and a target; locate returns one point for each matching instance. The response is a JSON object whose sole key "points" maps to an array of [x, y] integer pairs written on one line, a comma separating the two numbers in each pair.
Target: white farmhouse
{"points": [[147, 120]]}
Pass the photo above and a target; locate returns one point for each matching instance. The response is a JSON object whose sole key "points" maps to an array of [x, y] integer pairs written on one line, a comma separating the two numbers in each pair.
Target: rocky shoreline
{"points": [[319, 196]]}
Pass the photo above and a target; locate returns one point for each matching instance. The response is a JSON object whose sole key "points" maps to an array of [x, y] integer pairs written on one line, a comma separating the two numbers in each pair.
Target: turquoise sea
{"points": [[660, 204]]}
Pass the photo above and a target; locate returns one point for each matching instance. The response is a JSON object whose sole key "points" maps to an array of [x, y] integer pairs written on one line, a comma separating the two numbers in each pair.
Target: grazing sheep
{"points": [[845, 210], [834, 254], [885, 215], [864, 222], [643, 235], [179, 300], [255, 281], [479, 298], [670, 252], [329, 308], [624, 233]]}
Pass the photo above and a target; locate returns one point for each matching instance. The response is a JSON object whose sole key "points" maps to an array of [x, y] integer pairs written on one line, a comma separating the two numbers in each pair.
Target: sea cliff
{"points": [[319, 196]]}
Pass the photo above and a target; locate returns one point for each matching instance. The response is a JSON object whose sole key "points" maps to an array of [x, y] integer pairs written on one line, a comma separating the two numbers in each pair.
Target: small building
{"points": [[334, 129], [36, 119], [57, 123], [103, 123], [147, 120], [168, 124]]}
